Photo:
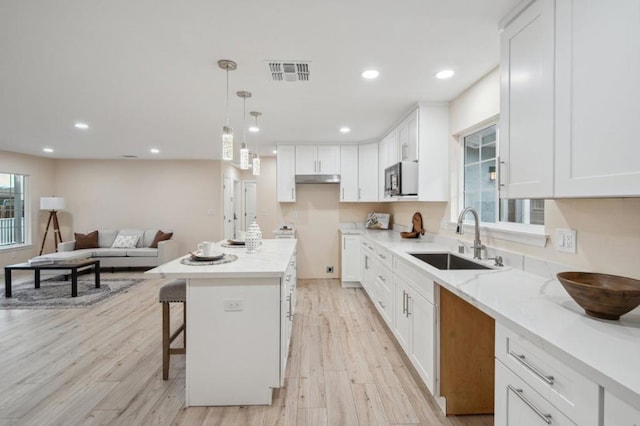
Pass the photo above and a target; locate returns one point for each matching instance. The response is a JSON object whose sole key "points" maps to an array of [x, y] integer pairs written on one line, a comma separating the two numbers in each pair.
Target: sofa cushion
{"points": [[143, 252], [160, 236], [106, 237], [125, 241], [148, 237], [85, 241], [110, 252], [133, 232]]}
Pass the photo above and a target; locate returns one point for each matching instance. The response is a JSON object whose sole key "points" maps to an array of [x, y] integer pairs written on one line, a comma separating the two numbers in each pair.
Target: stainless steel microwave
{"points": [[401, 179]]}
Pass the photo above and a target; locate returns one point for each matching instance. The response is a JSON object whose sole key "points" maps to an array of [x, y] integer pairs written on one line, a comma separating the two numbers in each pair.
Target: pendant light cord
{"points": [[227, 97]]}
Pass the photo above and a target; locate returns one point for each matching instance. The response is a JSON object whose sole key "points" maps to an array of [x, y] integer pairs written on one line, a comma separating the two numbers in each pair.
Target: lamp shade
{"points": [[52, 203]]}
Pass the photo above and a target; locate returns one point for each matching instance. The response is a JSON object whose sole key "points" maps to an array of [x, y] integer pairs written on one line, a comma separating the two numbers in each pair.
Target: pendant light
{"points": [[227, 131], [255, 115], [256, 157], [244, 151]]}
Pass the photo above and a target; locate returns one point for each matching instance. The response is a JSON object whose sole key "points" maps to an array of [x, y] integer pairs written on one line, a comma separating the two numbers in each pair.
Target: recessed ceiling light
{"points": [[154, 151], [344, 129], [49, 150], [82, 126], [254, 129], [275, 151], [445, 74], [370, 74]]}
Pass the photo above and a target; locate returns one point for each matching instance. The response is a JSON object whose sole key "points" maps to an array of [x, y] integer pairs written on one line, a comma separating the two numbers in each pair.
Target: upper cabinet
{"points": [[526, 103], [349, 173], [368, 172], [317, 159], [286, 173], [597, 90], [568, 89], [433, 151], [408, 138]]}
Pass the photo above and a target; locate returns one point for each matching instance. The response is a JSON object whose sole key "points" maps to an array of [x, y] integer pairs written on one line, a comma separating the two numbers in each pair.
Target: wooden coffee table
{"points": [[73, 265]]}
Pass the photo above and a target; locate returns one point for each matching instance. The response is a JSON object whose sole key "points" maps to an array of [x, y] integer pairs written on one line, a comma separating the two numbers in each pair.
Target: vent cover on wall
{"points": [[288, 71]]}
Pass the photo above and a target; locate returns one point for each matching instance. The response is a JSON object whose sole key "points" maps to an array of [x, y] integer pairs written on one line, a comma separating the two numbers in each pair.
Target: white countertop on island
{"points": [[538, 306], [270, 260]]}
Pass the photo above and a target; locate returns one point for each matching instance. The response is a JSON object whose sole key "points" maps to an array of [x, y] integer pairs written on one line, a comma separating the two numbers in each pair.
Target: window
{"points": [[481, 186], [12, 210]]}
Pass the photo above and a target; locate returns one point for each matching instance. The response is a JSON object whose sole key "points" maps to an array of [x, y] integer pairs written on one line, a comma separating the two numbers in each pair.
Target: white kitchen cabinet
{"points": [[349, 173], [408, 137], [402, 322], [526, 103], [367, 273], [317, 159], [554, 381], [287, 308], [383, 163], [597, 92], [517, 404], [368, 172], [351, 273], [286, 173], [618, 412], [433, 152]]}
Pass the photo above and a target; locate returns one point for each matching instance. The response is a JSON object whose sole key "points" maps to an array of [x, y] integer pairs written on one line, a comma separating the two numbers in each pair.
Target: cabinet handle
{"points": [[381, 278], [539, 412], [404, 302], [381, 304], [534, 370], [499, 173], [382, 256]]}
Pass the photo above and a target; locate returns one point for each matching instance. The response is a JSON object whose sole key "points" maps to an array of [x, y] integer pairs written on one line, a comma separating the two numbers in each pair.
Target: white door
{"points": [[228, 208], [249, 202]]}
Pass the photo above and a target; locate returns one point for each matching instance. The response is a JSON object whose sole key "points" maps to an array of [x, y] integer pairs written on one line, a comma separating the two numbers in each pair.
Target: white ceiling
{"points": [[144, 73]]}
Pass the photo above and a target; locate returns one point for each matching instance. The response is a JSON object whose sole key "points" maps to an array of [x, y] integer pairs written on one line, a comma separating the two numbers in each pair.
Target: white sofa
{"points": [[140, 256]]}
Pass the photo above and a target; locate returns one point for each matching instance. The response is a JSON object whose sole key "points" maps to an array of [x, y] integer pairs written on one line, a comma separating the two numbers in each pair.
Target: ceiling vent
{"points": [[288, 71]]}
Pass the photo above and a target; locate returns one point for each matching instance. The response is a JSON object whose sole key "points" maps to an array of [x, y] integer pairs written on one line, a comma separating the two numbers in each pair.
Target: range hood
{"points": [[317, 178]]}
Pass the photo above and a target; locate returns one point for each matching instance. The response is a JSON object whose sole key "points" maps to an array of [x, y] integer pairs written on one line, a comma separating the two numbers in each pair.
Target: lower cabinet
{"points": [[414, 328], [350, 260], [517, 404], [619, 413], [287, 308]]}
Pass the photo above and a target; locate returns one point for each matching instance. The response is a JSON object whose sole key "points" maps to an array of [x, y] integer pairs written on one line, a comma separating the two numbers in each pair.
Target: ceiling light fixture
{"points": [[48, 150], [244, 151], [256, 163], [445, 74], [345, 129], [370, 74], [227, 132], [81, 126], [275, 151], [255, 128], [154, 151]]}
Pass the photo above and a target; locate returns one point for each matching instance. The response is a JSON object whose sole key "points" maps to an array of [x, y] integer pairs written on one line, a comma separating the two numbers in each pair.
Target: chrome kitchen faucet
{"points": [[477, 245]]}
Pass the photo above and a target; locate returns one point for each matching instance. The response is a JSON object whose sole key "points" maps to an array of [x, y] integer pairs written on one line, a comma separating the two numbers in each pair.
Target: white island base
{"points": [[233, 341]]}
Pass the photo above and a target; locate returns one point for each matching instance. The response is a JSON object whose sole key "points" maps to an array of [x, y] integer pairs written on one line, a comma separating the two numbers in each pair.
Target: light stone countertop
{"points": [[538, 306], [271, 260]]}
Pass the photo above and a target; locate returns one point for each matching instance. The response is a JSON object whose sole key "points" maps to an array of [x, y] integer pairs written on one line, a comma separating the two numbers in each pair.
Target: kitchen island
{"points": [[239, 317]]}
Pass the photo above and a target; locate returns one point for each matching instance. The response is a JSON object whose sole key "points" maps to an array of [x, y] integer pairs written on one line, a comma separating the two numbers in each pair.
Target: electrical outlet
{"points": [[233, 305], [329, 269], [566, 240]]}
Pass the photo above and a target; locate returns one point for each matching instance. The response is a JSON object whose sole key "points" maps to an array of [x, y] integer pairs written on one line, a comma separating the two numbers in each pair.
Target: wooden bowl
{"points": [[602, 295]]}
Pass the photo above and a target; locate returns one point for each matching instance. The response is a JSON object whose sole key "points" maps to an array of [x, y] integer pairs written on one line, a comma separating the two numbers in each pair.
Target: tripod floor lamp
{"points": [[53, 204]]}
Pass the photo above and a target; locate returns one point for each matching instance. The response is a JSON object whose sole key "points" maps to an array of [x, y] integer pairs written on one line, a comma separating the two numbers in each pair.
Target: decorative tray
{"points": [[198, 256]]}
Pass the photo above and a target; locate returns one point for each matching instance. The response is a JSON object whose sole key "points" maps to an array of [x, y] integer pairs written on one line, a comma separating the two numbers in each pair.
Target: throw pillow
{"points": [[125, 241], [85, 241], [160, 236]]}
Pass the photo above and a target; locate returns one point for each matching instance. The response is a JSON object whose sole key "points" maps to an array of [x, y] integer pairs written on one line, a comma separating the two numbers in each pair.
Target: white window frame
{"points": [[533, 235], [27, 217]]}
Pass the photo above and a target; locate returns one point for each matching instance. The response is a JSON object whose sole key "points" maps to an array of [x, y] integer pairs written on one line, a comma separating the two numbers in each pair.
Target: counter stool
{"points": [[174, 291]]}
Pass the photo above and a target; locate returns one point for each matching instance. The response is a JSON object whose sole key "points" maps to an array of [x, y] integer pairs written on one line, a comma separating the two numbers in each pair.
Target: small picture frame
{"points": [[377, 221]]}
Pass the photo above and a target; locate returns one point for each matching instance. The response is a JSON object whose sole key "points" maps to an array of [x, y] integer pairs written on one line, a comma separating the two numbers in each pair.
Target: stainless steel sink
{"points": [[448, 261]]}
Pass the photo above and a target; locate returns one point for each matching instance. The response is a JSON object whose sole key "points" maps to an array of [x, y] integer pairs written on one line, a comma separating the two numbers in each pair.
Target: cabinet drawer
{"points": [[384, 277], [518, 404], [569, 391], [384, 256], [419, 280], [384, 302]]}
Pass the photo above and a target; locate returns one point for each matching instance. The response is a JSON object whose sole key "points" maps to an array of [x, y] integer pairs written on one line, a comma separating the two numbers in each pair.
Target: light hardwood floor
{"points": [[102, 365]]}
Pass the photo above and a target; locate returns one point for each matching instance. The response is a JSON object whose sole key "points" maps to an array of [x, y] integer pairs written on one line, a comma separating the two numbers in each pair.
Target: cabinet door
{"points": [[368, 172], [393, 147], [402, 322], [329, 159], [306, 160], [618, 412], [516, 404], [351, 258], [422, 314], [349, 173], [383, 160], [598, 64], [408, 138], [526, 103], [368, 273], [286, 173]]}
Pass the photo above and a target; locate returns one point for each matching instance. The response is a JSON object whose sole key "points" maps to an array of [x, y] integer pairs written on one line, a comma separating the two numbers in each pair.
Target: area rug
{"points": [[54, 293]]}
